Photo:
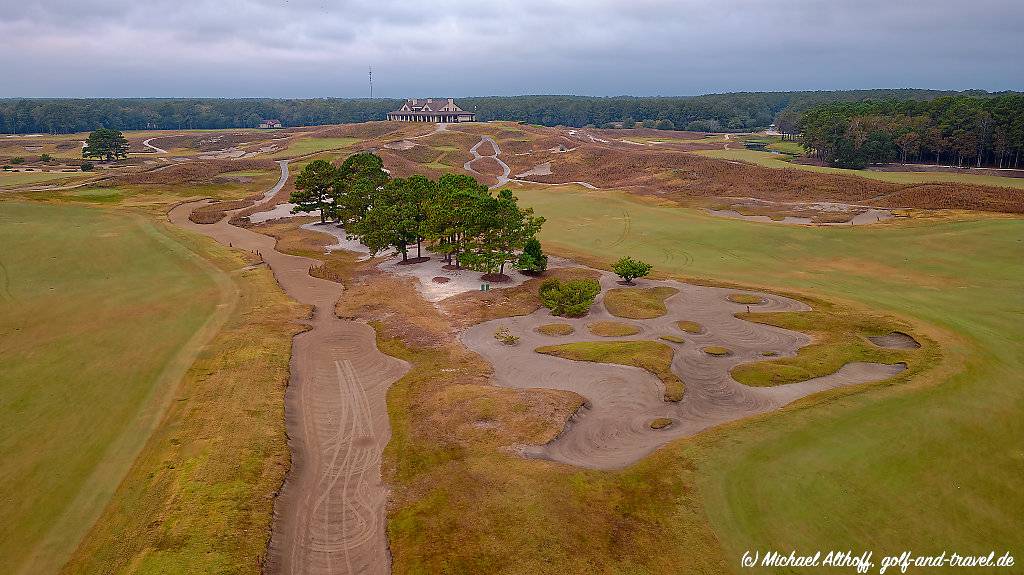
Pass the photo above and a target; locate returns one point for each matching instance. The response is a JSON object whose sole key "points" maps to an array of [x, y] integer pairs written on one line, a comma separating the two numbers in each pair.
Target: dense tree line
{"points": [[957, 130], [456, 214], [714, 112]]}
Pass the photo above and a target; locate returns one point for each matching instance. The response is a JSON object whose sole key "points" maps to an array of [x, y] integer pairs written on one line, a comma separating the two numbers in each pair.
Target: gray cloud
{"points": [[306, 48]]}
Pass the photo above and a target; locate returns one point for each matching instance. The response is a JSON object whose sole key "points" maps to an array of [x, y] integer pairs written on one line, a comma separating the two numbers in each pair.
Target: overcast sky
{"points": [[302, 48]]}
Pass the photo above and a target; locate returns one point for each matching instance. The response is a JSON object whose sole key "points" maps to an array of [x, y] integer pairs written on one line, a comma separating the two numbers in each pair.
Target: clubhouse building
{"points": [[433, 110]]}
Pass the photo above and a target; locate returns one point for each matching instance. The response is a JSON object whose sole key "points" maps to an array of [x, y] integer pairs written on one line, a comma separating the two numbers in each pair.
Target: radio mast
{"points": [[371, 82]]}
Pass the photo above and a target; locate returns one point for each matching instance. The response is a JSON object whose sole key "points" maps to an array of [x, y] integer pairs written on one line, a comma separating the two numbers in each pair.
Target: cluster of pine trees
{"points": [[456, 214], [959, 131]]}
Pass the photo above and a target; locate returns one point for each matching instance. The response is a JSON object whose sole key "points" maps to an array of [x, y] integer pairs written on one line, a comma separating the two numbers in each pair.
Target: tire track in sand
{"points": [[329, 514]]}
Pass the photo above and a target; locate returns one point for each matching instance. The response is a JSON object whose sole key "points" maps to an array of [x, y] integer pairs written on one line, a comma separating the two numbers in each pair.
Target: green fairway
{"points": [[930, 465], [102, 314], [11, 179], [770, 160]]}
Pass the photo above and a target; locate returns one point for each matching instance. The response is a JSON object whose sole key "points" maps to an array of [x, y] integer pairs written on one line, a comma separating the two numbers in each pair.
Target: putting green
{"points": [[930, 465], [100, 310]]}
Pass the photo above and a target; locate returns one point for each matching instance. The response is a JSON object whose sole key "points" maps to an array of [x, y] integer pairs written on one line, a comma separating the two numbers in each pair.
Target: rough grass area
{"points": [[555, 329], [746, 298], [652, 356], [660, 422], [672, 338], [199, 497], [690, 326], [612, 329], [297, 241], [839, 338], [637, 303]]}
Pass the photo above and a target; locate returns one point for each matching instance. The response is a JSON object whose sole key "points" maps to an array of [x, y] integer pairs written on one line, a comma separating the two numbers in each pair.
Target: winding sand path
{"points": [[475, 150], [329, 516], [147, 144], [613, 429]]}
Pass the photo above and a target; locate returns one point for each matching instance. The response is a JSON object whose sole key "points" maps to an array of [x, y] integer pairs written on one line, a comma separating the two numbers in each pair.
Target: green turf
{"points": [[10, 179], [96, 306], [770, 160], [928, 465]]}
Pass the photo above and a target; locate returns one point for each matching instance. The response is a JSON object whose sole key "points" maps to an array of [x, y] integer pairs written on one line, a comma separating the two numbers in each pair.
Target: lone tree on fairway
{"points": [[314, 189], [106, 144], [629, 269]]}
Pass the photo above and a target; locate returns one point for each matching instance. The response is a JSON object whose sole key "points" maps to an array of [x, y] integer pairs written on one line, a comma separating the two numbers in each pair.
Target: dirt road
{"points": [[329, 516]]}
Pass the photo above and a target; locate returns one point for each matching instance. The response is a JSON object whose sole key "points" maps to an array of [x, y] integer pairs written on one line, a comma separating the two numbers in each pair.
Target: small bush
{"points": [[505, 336], [571, 298], [17, 161], [87, 166], [6, 167], [629, 269], [533, 259], [45, 158]]}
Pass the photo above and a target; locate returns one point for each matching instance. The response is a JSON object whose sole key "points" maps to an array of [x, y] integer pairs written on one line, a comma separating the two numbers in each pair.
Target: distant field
{"points": [[770, 160], [9, 179], [928, 465], [100, 309], [305, 146]]}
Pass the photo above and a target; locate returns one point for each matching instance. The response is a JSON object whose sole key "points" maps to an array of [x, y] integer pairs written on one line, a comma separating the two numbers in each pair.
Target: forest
{"points": [[740, 111], [949, 130]]}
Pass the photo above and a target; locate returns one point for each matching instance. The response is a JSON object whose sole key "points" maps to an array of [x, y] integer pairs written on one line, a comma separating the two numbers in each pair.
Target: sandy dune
{"points": [[329, 516], [613, 430]]}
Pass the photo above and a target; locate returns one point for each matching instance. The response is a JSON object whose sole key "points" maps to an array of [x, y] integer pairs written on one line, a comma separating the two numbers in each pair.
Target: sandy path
{"points": [[475, 150], [613, 430], [147, 144], [329, 516]]}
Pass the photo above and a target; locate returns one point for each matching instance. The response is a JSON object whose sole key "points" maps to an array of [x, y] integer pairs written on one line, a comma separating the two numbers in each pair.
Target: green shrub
{"points": [[629, 269], [17, 161], [571, 298], [45, 158], [533, 259], [87, 166], [505, 336]]}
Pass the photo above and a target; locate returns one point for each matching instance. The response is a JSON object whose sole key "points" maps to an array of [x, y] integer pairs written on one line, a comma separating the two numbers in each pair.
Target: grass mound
{"points": [[745, 298], [660, 423], [839, 338], [672, 338], [690, 326], [612, 329], [653, 356], [638, 303], [555, 329], [717, 350]]}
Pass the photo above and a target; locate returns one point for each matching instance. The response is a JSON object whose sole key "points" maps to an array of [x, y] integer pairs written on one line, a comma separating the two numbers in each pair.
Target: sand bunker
{"points": [[400, 145], [538, 170], [895, 340], [614, 430], [857, 218]]}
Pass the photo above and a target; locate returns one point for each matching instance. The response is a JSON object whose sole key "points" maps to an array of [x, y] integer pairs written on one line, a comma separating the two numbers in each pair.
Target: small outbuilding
{"points": [[267, 124]]}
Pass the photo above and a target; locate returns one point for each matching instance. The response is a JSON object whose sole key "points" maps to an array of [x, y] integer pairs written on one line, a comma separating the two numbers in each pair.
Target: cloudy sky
{"points": [[303, 48]]}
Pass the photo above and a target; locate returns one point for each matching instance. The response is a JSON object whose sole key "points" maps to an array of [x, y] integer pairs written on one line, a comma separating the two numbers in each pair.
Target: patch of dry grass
{"points": [[638, 303], [745, 298], [690, 326], [555, 329], [612, 329], [652, 356]]}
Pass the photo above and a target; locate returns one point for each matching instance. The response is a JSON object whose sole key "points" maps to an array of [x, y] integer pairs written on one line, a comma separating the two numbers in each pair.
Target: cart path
{"points": [[475, 150], [329, 517]]}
